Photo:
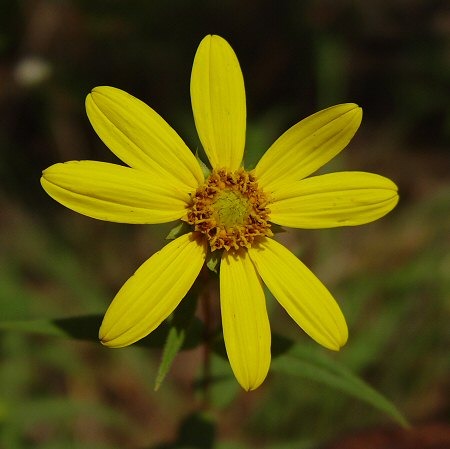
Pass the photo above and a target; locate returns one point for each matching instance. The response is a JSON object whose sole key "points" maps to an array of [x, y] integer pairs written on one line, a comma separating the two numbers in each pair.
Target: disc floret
{"points": [[230, 210]]}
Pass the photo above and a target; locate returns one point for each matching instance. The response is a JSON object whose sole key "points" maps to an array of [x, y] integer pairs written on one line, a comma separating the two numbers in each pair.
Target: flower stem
{"points": [[208, 334]]}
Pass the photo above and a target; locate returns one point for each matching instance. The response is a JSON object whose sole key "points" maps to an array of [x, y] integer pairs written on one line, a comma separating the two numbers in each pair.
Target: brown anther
{"points": [[230, 209]]}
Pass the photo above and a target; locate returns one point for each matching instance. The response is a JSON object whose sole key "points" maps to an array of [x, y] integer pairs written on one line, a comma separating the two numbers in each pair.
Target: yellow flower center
{"points": [[230, 209]]}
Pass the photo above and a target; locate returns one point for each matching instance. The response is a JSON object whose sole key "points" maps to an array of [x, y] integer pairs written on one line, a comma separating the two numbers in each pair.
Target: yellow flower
{"points": [[230, 211]]}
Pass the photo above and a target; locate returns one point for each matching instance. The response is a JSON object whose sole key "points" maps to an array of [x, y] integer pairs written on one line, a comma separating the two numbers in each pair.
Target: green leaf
{"points": [[80, 328], [86, 327], [309, 363], [179, 326]]}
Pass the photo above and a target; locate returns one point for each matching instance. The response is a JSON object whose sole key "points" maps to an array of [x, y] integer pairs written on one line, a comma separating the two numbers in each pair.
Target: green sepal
{"points": [[180, 229], [179, 326], [205, 169], [213, 261], [276, 229]]}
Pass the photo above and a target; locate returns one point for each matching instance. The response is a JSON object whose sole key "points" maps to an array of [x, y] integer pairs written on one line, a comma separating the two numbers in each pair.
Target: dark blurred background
{"points": [[391, 277]]}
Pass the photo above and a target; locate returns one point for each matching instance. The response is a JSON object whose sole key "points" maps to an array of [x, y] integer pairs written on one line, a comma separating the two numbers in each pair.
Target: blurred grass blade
{"points": [[309, 363], [179, 327]]}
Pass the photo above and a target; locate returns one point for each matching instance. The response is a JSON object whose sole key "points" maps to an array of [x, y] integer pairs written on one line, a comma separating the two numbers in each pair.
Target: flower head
{"points": [[230, 211]]}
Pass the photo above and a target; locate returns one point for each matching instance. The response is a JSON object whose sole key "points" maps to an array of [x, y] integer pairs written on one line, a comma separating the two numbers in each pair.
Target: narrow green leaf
{"points": [[309, 363], [81, 327], [86, 328], [172, 346], [179, 326]]}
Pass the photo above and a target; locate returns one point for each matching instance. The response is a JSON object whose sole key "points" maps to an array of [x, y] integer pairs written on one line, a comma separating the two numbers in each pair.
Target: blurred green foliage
{"points": [[391, 277]]}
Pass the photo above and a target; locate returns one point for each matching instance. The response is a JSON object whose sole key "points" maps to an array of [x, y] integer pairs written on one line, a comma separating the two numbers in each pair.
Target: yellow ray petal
{"points": [[218, 102], [308, 145], [245, 322], [141, 138], [113, 193], [299, 291], [335, 199], [153, 292]]}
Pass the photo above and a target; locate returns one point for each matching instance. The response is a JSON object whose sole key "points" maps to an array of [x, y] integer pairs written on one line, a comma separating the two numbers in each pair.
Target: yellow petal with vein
{"points": [[218, 102], [299, 291], [113, 193], [335, 199], [245, 322], [153, 292], [141, 138], [308, 145]]}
